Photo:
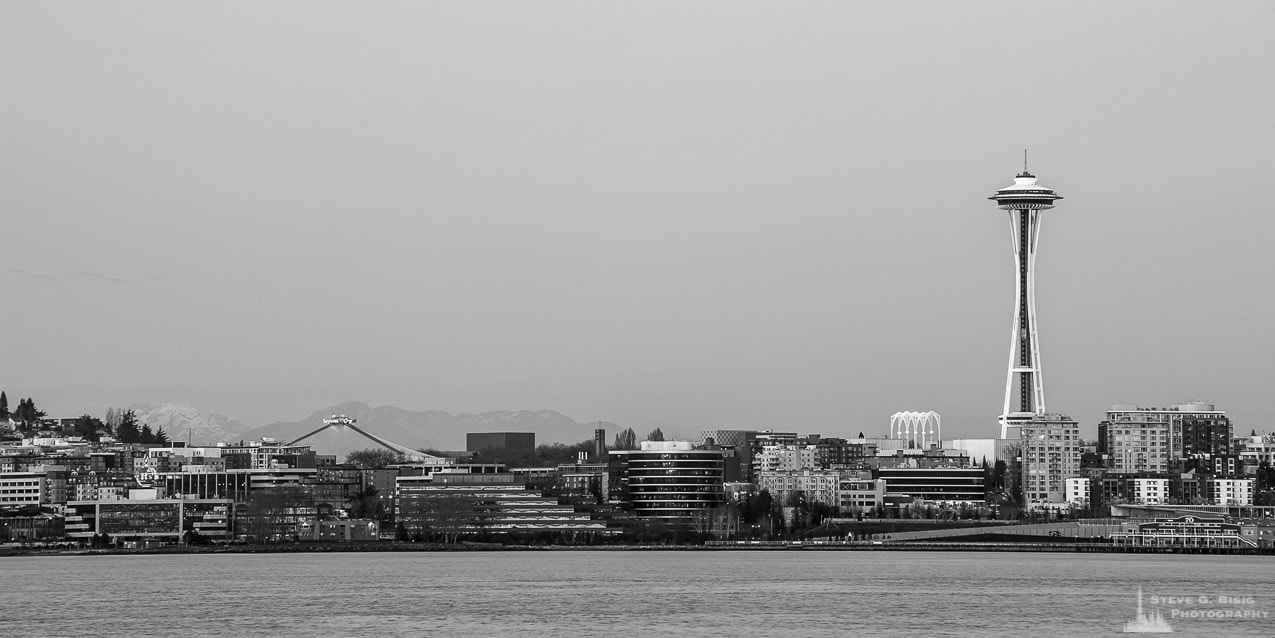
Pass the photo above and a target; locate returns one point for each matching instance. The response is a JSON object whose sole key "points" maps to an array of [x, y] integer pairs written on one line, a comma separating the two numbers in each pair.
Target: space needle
{"points": [[1024, 199]]}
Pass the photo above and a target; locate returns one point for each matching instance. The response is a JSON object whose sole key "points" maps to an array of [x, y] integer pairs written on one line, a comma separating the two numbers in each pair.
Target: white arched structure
{"points": [[921, 430]]}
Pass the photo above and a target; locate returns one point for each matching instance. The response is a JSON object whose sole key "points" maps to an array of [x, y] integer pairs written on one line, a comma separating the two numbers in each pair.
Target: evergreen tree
{"points": [[87, 426], [27, 413], [146, 435], [4, 405], [126, 430], [655, 435], [111, 419], [161, 436]]}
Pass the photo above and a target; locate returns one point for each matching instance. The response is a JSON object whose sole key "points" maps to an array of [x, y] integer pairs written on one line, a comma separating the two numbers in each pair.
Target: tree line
{"points": [[121, 424]]}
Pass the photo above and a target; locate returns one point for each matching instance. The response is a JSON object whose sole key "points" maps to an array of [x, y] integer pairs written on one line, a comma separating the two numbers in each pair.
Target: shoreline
{"points": [[367, 547]]}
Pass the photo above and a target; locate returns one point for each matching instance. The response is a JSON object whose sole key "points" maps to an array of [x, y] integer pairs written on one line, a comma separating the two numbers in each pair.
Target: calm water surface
{"points": [[630, 593]]}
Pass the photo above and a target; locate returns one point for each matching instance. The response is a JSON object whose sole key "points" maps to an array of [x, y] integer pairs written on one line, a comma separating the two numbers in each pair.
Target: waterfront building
{"points": [[342, 530], [668, 480], [149, 521], [1025, 199], [452, 504], [1193, 532], [35, 527], [1051, 455]]}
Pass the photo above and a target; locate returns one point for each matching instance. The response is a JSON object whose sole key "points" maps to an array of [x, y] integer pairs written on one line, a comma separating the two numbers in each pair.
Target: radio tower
{"points": [[1024, 199]]}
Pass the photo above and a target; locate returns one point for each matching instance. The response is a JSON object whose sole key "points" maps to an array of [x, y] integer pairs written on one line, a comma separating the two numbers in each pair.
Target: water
{"points": [[631, 593]]}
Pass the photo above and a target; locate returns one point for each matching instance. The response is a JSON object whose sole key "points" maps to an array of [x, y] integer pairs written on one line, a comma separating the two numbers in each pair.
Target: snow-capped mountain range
{"points": [[415, 429]]}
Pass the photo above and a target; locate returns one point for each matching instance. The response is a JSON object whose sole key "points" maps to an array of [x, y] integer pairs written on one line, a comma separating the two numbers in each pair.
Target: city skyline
{"points": [[664, 216]]}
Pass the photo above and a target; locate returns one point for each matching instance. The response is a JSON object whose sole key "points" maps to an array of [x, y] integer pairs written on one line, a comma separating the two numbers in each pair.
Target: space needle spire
{"points": [[1024, 199]]}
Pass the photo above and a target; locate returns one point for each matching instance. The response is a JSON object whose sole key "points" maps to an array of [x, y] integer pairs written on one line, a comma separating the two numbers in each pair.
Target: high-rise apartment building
{"points": [[1134, 439], [1051, 455]]}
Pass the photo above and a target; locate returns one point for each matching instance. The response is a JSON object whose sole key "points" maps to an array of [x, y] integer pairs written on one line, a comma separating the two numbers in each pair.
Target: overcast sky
{"points": [[677, 215]]}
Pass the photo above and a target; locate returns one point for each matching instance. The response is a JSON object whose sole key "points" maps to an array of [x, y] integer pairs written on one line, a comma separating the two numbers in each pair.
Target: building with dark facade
{"points": [[1134, 439], [520, 441], [941, 484], [669, 481]]}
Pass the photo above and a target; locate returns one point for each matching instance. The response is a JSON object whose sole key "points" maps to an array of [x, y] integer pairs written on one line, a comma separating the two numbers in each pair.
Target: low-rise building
{"points": [[1231, 491], [340, 530], [1150, 491], [455, 504], [818, 486], [859, 495], [149, 521], [1077, 491], [18, 489], [1192, 532], [937, 484]]}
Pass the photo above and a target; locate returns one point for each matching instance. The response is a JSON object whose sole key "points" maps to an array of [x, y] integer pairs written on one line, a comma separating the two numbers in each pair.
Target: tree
{"points": [[366, 503], [554, 454], [273, 513], [126, 430], [625, 439], [27, 413], [161, 436], [4, 405], [112, 418], [146, 436], [87, 427], [373, 458], [449, 515], [655, 435]]}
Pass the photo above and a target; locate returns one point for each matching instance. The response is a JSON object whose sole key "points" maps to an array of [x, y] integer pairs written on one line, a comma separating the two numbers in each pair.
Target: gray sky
{"points": [[683, 215]]}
